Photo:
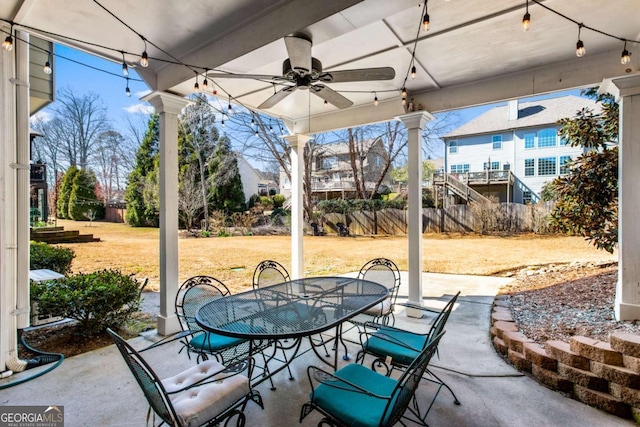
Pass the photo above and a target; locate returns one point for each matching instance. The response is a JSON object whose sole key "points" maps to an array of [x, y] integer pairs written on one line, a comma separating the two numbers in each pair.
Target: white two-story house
{"points": [[511, 151]]}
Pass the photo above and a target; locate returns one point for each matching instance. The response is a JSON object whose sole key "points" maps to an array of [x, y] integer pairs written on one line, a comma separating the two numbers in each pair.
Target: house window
{"points": [[329, 162], [529, 141], [564, 164], [496, 141], [494, 166], [547, 138], [526, 197], [529, 167], [461, 168], [546, 166], [453, 147], [506, 167]]}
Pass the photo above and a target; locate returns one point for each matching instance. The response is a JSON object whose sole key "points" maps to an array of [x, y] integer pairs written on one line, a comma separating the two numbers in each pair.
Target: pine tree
{"points": [[228, 194], [83, 202], [139, 195]]}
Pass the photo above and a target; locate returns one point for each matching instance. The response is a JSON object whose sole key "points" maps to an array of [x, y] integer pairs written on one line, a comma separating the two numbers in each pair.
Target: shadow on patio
{"points": [[96, 388]]}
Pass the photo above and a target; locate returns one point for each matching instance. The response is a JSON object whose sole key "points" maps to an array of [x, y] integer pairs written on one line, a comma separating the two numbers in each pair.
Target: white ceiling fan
{"points": [[302, 71]]}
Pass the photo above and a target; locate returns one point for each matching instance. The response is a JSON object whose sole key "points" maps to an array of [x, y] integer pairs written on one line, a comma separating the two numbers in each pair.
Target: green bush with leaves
{"points": [[56, 258], [98, 300], [278, 200]]}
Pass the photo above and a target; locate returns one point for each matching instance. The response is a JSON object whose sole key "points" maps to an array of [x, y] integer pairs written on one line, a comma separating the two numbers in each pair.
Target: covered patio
{"points": [[474, 53]]}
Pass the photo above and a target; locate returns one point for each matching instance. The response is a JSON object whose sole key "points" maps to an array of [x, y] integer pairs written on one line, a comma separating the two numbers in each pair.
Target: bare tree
{"points": [[189, 201], [82, 120], [200, 137], [108, 155]]}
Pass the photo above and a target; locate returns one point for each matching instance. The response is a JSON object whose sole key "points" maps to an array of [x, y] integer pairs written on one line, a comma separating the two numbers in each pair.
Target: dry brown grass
{"points": [[232, 259]]}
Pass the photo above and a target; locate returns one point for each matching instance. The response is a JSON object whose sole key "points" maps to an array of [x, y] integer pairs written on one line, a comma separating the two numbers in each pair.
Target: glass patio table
{"points": [[292, 310]]}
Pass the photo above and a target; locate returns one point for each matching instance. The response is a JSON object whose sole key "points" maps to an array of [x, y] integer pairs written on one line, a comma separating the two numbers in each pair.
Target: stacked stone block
{"points": [[600, 374]]}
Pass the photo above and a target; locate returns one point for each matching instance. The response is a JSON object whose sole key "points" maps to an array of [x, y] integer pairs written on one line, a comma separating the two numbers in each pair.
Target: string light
{"points": [[404, 92], [47, 65], [229, 108], [205, 83], [270, 126], [404, 101], [413, 72], [326, 104], [196, 86], [526, 19], [127, 91], [580, 49], [253, 122], [213, 88], [625, 58], [375, 100], [125, 68], [144, 58], [256, 132], [7, 44], [425, 19], [222, 122]]}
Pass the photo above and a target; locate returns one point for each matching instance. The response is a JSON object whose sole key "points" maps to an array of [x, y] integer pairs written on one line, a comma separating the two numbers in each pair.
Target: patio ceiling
{"points": [[474, 53]]}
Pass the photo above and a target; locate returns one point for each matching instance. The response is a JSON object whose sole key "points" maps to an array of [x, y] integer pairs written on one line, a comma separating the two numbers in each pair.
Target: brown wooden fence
{"points": [[493, 217]]}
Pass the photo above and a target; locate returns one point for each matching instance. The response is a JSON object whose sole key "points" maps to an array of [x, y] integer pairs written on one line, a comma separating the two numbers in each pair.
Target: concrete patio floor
{"points": [[97, 389]]}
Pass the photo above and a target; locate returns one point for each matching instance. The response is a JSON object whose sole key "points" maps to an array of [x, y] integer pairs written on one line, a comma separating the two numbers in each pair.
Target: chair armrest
{"points": [[320, 376], [170, 338]]}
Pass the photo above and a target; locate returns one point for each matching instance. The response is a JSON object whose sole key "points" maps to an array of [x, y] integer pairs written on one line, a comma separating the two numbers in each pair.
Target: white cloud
{"points": [[139, 109], [141, 93], [42, 116]]}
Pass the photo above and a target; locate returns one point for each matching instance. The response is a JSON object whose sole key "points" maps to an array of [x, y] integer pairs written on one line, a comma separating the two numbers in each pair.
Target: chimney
{"points": [[512, 110]]}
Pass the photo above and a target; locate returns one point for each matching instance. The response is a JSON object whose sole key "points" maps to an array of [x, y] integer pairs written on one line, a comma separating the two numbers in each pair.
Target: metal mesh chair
{"points": [[193, 293], [385, 272], [269, 272], [204, 395], [394, 348], [355, 396]]}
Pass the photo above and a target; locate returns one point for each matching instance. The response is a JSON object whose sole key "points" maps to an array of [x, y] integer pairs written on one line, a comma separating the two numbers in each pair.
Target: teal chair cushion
{"points": [[349, 405], [212, 343], [402, 346]]}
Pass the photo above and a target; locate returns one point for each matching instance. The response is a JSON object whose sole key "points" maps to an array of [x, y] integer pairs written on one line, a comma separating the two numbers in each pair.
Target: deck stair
{"points": [[463, 190], [60, 235]]}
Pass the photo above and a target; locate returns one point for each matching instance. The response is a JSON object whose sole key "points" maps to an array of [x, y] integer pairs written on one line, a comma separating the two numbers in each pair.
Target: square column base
{"points": [[168, 325]]}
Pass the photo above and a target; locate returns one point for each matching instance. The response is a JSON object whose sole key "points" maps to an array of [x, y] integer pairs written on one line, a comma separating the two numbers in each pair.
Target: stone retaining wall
{"points": [[600, 374]]}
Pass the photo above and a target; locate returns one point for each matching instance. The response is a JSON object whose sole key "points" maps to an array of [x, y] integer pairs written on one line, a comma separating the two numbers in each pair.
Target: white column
{"points": [[627, 302], [297, 144], [23, 171], [8, 250], [168, 107], [415, 122]]}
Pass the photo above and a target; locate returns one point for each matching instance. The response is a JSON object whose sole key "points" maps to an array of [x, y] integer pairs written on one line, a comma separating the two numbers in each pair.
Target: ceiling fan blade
{"points": [[244, 76], [277, 97], [299, 51], [331, 96], [359, 75]]}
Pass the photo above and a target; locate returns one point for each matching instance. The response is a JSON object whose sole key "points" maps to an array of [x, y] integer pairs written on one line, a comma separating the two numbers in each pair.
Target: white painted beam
{"points": [[271, 26]]}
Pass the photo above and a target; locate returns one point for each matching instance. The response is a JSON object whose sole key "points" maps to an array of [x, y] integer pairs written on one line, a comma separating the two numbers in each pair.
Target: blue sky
{"points": [[110, 86]]}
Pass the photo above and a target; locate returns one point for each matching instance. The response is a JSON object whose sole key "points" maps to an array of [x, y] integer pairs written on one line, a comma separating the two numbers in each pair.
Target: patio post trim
{"points": [[415, 123], [168, 107], [297, 143], [627, 92]]}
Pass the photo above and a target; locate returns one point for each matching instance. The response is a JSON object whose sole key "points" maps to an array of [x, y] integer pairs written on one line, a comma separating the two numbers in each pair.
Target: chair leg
{"points": [[443, 384]]}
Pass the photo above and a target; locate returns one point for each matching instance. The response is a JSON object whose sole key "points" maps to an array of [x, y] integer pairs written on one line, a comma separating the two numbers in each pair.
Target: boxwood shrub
{"points": [[56, 258], [98, 300]]}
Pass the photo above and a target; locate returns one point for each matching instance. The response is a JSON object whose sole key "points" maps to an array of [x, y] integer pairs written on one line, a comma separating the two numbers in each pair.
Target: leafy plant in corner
{"points": [[98, 300]]}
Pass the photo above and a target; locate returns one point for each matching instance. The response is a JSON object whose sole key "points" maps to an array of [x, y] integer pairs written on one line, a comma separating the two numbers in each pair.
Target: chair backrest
{"points": [[408, 383], [193, 293], [441, 319], [383, 271], [269, 272], [147, 380]]}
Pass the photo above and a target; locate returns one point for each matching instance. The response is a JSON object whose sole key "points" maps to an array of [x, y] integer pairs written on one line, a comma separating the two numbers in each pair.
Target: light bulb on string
{"points": [[253, 122], [205, 83], [625, 58], [144, 58], [425, 19], [256, 133], [229, 108], [222, 122], [375, 100], [270, 127], [214, 91], [47, 66], [127, 91], [526, 19], [125, 68], [326, 103], [7, 44], [404, 92], [413, 72], [580, 49], [196, 86]]}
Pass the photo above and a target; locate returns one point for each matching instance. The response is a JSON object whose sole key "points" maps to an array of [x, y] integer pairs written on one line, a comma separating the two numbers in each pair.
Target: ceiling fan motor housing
{"points": [[290, 73]]}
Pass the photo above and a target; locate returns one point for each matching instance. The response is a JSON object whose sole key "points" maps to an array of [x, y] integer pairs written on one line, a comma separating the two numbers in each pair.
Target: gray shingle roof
{"points": [[530, 114]]}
